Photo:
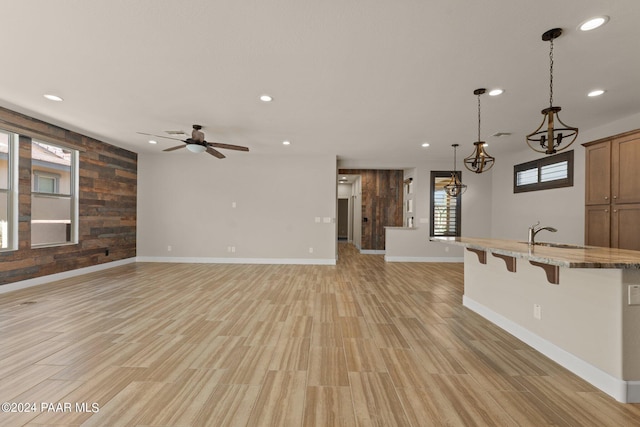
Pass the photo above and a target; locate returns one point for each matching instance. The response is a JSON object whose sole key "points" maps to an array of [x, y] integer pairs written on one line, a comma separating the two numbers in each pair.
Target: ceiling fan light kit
{"points": [[479, 161], [554, 136], [196, 148]]}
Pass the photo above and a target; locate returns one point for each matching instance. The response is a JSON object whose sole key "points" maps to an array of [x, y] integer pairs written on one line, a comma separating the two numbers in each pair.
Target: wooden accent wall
{"points": [[381, 203], [107, 203]]}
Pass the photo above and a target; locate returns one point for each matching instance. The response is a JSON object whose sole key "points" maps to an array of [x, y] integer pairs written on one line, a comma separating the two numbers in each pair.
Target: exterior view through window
{"points": [[7, 189], [53, 194], [445, 210]]}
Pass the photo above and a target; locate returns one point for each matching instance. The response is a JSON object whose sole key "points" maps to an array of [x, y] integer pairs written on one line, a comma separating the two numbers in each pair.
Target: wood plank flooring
{"points": [[362, 343]]}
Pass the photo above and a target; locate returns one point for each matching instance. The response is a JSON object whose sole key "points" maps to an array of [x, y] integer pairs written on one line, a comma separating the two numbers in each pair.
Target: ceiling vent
{"points": [[499, 134]]}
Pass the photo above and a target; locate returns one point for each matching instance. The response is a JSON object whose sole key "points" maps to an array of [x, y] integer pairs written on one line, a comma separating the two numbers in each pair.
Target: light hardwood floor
{"points": [[364, 343]]}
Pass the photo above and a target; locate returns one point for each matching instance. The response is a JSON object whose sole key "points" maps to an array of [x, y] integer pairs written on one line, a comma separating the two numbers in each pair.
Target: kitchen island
{"points": [[578, 305]]}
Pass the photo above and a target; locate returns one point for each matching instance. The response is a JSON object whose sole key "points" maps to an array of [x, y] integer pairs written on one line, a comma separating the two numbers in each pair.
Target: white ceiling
{"points": [[368, 81]]}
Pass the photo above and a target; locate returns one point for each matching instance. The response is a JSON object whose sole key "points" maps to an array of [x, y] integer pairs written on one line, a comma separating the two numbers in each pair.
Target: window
{"points": [[445, 210], [45, 182], [545, 173], [54, 194], [8, 190]]}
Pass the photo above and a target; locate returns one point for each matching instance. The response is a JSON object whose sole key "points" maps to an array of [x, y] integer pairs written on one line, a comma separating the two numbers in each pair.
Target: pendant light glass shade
{"points": [[552, 135], [455, 187], [479, 161]]}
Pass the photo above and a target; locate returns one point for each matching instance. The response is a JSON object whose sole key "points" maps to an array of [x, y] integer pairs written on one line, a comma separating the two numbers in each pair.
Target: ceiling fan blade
{"points": [[215, 153], [228, 146], [174, 148], [160, 136]]}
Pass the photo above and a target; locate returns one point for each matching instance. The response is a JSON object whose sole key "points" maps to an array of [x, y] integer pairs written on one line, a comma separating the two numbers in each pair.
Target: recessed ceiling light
{"points": [[151, 141], [496, 92], [286, 142], [266, 98], [426, 144], [593, 23], [52, 97], [596, 92]]}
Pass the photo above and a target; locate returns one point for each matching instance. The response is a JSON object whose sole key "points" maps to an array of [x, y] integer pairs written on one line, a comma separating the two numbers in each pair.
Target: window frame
{"points": [[47, 175], [73, 196], [11, 191], [458, 207], [538, 164]]}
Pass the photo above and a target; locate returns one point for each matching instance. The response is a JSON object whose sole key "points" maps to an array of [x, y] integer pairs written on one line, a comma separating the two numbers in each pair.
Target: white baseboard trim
{"points": [[205, 260], [622, 391], [372, 251], [36, 281], [421, 259]]}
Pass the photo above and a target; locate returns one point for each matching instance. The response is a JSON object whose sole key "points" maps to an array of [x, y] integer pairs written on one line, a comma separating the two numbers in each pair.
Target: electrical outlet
{"points": [[310, 250], [233, 248], [537, 311], [169, 248]]}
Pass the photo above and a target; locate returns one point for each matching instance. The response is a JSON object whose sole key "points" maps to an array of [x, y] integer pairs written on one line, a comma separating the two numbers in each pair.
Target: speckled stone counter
{"points": [[570, 257]]}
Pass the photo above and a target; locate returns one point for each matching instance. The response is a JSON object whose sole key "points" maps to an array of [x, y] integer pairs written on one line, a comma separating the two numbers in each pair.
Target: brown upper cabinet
{"points": [[612, 191]]}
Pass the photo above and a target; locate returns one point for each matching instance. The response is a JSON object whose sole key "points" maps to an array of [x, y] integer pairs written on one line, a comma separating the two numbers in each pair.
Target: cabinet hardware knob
{"points": [[615, 197], [615, 210], [606, 197], [606, 210]]}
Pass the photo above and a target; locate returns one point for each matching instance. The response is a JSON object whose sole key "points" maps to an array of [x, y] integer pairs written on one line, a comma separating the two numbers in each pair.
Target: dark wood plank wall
{"points": [[381, 203], [107, 203]]}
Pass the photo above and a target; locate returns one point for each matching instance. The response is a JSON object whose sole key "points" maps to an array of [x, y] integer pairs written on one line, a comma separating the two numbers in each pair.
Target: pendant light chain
{"points": [[478, 117], [551, 75], [454, 158]]}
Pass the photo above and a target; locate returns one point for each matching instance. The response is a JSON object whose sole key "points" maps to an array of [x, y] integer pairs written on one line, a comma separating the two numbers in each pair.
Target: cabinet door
{"points": [[625, 226], [625, 178], [597, 225], [598, 173]]}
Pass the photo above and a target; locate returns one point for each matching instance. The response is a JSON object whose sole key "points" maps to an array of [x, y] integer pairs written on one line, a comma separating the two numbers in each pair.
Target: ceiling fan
{"points": [[197, 144]]}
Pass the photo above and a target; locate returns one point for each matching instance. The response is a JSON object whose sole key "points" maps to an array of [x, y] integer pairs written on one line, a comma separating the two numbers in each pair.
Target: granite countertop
{"points": [[572, 256]]}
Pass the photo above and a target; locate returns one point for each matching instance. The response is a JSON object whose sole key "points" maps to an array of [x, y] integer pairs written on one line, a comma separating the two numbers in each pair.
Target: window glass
{"points": [[445, 210], [554, 171], [53, 198], [7, 190], [545, 173]]}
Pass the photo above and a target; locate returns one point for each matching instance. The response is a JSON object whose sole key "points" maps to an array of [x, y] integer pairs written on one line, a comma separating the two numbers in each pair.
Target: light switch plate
{"points": [[634, 294]]}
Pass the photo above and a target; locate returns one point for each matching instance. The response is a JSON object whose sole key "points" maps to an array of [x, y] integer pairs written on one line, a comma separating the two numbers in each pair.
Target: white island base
{"points": [[585, 322]]}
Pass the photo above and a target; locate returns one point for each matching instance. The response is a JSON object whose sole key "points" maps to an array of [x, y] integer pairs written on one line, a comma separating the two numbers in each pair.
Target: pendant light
{"points": [[479, 161], [455, 187], [551, 138]]}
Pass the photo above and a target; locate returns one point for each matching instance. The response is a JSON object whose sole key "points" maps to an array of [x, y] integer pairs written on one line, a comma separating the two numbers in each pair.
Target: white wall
{"points": [[562, 208], [414, 245], [185, 201]]}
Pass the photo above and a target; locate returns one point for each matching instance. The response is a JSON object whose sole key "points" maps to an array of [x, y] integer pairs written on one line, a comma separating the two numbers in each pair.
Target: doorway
{"points": [[343, 219]]}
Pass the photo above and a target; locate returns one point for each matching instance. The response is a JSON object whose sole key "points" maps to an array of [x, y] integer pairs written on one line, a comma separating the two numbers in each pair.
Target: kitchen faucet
{"points": [[533, 231]]}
